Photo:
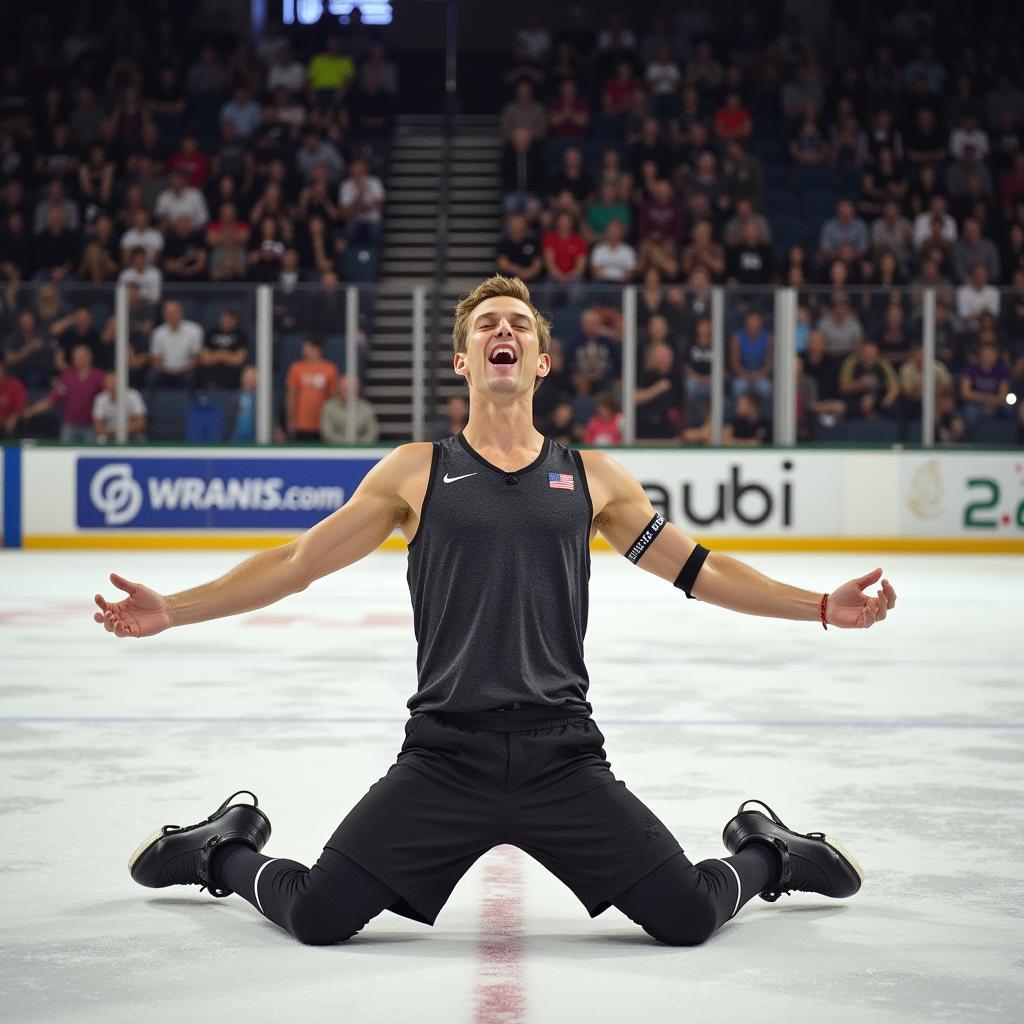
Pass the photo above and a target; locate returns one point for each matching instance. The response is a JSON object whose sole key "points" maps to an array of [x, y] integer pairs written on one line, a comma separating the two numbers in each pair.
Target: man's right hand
{"points": [[143, 613]]}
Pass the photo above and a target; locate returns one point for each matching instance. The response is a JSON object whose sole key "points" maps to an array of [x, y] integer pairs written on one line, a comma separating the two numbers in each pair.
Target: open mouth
{"points": [[503, 355]]}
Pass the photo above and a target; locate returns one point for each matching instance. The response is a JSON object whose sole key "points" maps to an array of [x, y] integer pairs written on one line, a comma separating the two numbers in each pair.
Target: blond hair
{"points": [[494, 287]]}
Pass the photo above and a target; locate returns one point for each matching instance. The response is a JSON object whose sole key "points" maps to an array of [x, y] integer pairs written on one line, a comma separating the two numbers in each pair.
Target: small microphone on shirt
{"points": [[511, 479]]}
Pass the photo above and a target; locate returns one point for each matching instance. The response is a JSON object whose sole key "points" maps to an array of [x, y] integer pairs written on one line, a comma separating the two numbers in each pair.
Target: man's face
{"points": [[110, 384], [81, 358], [502, 354], [172, 313]]}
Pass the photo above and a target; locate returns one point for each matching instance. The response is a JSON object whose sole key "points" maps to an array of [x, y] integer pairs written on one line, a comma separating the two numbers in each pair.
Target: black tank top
{"points": [[499, 575]]}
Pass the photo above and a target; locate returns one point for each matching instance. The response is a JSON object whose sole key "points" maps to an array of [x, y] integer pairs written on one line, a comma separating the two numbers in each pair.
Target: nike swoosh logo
{"points": [[451, 479]]}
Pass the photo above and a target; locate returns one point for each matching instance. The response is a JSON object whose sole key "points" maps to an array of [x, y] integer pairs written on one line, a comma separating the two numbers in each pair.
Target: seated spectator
{"points": [[522, 171], [662, 213], [613, 259], [966, 135], [976, 297], [743, 214], [733, 122], [573, 178], [13, 401], [286, 72], [650, 147], [703, 251], [456, 416], [315, 151], [802, 89], [362, 198], [141, 273], [523, 112], [697, 372], [206, 76], [961, 173], [243, 422], [75, 391], [984, 384], [911, 377], [185, 257], [565, 252], [267, 249], [892, 232], [742, 176], [845, 228], [869, 384], [561, 426], [371, 107], [55, 198], [142, 235], [882, 181], [618, 92], [658, 395], [747, 428], [970, 250], [925, 140], [315, 199], [808, 146], [606, 208], [104, 412], [522, 68], [174, 349], [822, 367], [704, 186], [331, 71], [892, 335], [663, 78], [334, 415], [227, 238], [604, 428], [243, 112], [750, 260], [751, 357], [16, 248], [568, 112], [593, 358], [841, 330], [181, 200], [519, 253], [96, 178], [224, 353], [658, 253], [310, 381], [193, 163], [55, 249]]}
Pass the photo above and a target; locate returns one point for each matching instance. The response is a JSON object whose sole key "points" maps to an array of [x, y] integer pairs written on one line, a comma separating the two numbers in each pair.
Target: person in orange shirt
{"points": [[311, 380]]}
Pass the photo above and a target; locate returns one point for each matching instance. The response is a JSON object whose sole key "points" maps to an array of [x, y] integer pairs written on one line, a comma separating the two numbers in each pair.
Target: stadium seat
{"points": [[166, 413], [993, 432]]}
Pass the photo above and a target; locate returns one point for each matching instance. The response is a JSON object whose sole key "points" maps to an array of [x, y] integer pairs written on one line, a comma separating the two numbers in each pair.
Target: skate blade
{"points": [[846, 855], [143, 847]]}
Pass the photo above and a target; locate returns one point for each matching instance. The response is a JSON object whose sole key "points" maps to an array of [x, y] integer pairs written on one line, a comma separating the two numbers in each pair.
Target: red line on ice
{"points": [[500, 996]]}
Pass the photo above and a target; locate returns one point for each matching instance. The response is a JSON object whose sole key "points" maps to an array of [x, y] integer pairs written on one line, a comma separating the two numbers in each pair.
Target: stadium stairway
{"points": [[409, 256]]}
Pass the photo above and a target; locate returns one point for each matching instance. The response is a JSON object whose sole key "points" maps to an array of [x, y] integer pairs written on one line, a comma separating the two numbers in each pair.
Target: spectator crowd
{"points": [[148, 148], [861, 170]]}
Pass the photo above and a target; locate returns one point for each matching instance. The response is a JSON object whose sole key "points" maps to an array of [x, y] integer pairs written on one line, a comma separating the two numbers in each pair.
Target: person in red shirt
{"points": [[565, 254], [75, 392], [568, 113], [311, 381], [618, 91], [13, 399], [605, 426], [191, 161], [732, 120]]}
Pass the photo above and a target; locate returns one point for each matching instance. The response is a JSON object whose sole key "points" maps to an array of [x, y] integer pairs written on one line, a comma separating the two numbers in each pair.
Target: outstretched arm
{"points": [[622, 511], [385, 499]]}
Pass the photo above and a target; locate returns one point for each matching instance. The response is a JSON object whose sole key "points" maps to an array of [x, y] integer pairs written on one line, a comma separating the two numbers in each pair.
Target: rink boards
{"points": [[770, 499]]}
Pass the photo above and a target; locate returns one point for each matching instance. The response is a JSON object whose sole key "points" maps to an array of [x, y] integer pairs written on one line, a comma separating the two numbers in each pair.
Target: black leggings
{"points": [[678, 903]]}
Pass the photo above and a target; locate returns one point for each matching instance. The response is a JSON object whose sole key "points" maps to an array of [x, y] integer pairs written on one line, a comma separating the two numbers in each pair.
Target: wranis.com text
{"points": [[260, 494]]}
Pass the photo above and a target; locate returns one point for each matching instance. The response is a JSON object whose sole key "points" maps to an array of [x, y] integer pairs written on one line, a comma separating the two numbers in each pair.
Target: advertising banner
{"points": [[214, 493], [970, 495]]}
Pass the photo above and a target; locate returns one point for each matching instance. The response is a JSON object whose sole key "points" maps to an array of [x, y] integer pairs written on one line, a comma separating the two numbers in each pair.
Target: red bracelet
{"points": [[824, 602]]}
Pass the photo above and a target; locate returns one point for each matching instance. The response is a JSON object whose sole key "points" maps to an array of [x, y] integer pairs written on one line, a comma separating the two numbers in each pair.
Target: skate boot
{"points": [[180, 855], [808, 863]]}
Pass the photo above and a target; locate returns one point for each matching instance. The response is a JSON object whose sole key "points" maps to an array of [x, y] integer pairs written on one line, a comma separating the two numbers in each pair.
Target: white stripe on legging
{"points": [[739, 888], [256, 883]]}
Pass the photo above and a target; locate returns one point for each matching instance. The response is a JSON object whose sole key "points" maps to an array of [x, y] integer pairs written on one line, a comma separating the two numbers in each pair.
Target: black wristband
{"points": [[646, 538], [689, 573]]}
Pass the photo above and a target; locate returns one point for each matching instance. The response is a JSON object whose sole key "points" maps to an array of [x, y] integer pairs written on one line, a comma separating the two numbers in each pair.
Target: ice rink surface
{"points": [[906, 742]]}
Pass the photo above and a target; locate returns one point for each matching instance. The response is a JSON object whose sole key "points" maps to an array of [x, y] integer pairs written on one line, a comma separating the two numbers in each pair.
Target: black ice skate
{"points": [[180, 855], [809, 863]]}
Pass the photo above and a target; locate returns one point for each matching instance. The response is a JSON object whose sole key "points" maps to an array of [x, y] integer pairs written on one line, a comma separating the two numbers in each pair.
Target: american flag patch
{"points": [[561, 481]]}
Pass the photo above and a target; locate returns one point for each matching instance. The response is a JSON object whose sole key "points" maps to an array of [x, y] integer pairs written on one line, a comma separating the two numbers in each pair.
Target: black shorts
{"points": [[535, 779]]}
